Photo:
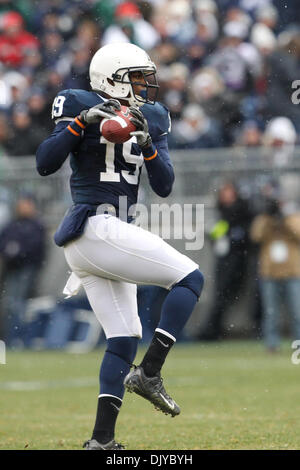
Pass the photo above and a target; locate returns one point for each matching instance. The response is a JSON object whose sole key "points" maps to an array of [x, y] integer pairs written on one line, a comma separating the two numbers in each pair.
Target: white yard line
{"points": [[31, 386]]}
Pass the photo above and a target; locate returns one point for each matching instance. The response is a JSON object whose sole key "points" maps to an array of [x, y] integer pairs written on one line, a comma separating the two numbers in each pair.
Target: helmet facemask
{"points": [[149, 83]]}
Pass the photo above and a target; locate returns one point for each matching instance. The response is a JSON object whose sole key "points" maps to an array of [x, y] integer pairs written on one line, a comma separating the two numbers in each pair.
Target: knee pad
{"points": [[193, 281], [124, 347]]}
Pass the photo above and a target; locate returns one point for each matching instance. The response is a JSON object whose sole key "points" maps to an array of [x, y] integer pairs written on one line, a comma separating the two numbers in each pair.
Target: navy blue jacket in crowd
{"points": [[22, 243]]}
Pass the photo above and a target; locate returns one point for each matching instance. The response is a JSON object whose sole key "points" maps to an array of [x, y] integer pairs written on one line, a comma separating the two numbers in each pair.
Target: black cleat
{"points": [[152, 389], [92, 444]]}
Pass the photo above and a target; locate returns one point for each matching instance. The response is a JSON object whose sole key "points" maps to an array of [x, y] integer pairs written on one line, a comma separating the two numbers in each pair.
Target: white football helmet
{"points": [[110, 70]]}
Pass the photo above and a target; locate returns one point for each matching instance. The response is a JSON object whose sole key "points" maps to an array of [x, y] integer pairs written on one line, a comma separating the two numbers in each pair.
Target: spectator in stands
{"points": [[230, 238], [104, 12], [38, 108], [246, 6], [173, 21], [195, 54], [228, 60], [78, 76], [207, 23], [121, 32], [17, 87], [283, 71], [53, 48], [277, 231], [263, 38], [279, 141], [195, 130], [22, 251], [267, 15], [175, 96], [131, 27], [25, 139], [5, 132], [87, 36], [15, 40], [24, 7], [208, 89], [236, 39], [32, 67], [54, 82], [280, 137], [207, 29], [166, 53], [250, 135]]}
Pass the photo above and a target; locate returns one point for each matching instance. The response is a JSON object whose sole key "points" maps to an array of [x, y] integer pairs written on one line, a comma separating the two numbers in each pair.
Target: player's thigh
{"points": [[117, 250], [115, 305]]}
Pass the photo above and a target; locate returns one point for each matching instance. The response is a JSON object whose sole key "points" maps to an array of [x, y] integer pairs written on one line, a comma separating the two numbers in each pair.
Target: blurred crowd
{"points": [[258, 252], [225, 67]]}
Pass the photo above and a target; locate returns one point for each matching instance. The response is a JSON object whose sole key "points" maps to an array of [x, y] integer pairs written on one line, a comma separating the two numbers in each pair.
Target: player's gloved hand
{"points": [[100, 111], [142, 135]]}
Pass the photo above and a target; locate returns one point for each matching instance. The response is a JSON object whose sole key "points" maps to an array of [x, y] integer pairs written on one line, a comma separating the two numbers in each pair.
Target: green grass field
{"points": [[233, 395]]}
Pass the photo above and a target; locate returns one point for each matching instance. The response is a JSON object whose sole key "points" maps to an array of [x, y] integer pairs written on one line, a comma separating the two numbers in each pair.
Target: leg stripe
{"points": [[163, 332], [107, 395]]}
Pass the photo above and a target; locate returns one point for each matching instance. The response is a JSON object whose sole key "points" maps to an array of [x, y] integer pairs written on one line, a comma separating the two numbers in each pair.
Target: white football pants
{"points": [[111, 258]]}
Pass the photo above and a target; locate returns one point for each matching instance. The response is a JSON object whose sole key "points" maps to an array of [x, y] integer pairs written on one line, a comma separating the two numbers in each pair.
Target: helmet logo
{"points": [[115, 76]]}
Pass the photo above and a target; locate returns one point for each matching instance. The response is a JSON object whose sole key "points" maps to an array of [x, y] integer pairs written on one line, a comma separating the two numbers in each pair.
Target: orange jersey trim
{"points": [[72, 130], [79, 123], [152, 156]]}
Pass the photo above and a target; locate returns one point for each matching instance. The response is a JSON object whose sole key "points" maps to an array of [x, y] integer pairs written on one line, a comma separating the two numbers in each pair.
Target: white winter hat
{"points": [[281, 128], [193, 111], [263, 37], [236, 29], [206, 5]]}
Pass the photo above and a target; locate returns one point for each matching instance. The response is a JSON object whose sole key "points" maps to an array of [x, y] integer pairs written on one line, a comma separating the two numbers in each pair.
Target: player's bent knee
{"points": [[193, 281]]}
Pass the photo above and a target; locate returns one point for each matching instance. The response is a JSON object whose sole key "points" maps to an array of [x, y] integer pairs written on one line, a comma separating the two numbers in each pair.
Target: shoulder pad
{"points": [[158, 118], [70, 103]]}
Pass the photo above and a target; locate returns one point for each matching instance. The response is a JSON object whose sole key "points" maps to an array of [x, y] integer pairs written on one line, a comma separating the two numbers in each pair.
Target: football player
{"points": [[108, 266]]}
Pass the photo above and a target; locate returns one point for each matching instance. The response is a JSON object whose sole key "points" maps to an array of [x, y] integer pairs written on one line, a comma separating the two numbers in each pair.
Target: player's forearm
{"points": [[54, 151], [159, 168]]}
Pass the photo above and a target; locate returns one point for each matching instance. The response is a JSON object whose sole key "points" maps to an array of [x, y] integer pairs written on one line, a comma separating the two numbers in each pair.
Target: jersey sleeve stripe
{"points": [[152, 156], [79, 123], [73, 132]]}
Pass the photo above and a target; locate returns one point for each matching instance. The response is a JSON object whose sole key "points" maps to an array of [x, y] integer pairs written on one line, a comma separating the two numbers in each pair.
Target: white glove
{"points": [[142, 135], [100, 111]]}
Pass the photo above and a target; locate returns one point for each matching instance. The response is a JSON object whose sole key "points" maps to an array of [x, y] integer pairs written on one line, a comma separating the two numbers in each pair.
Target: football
{"points": [[117, 129]]}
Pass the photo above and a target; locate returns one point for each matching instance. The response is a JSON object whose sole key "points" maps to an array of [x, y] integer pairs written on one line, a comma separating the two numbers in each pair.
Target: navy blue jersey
{"points": [[103, 171]]}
